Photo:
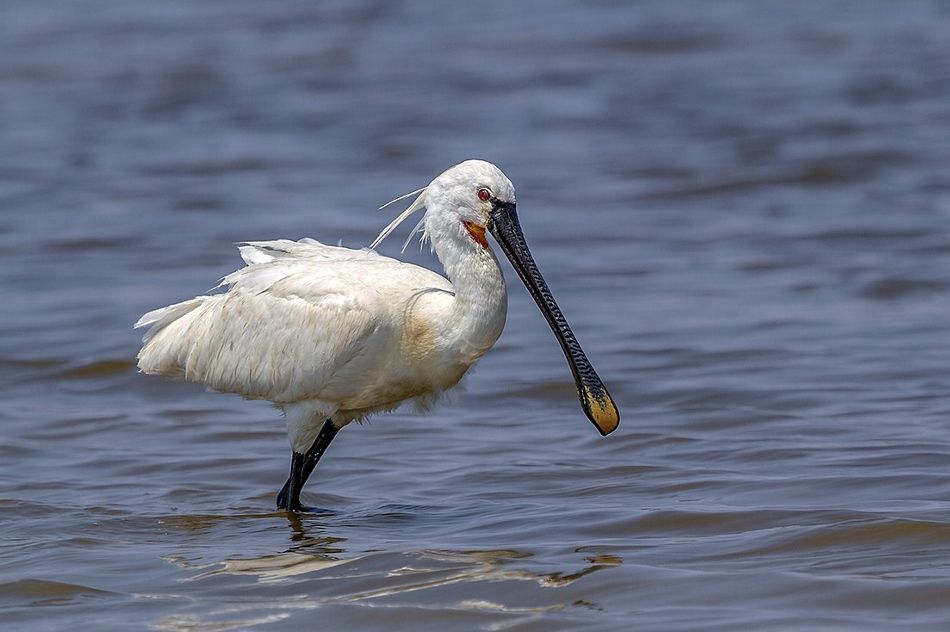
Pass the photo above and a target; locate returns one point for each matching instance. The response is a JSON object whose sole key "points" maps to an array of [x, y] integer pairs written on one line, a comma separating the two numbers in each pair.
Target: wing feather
{"points": [[297, 323]]}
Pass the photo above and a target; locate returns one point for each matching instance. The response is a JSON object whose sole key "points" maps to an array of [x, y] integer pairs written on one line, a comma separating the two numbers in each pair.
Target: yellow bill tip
{"points": [[600, 409]]}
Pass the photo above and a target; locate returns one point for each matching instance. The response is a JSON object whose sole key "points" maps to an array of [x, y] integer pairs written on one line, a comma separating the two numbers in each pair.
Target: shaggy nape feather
{"points": [[417, 204]]}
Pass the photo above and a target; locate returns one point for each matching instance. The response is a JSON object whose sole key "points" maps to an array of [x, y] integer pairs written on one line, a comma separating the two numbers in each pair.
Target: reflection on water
{"points": [[323, 573], [742, 208], [276, 567], [371, 578], [34, 592]]}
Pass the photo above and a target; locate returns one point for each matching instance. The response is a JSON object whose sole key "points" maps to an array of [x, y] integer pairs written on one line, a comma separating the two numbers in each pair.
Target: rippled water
{"points": [[743, 208]]}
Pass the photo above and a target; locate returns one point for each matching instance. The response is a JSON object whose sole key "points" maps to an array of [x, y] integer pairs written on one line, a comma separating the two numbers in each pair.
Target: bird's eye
{"points": [[484, 195]]}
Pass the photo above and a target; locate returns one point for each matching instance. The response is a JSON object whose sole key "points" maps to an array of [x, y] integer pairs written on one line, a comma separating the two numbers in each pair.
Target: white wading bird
{"points": [[331, 335]]}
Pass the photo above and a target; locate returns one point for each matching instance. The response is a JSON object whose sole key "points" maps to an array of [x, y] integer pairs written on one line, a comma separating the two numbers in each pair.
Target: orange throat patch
{"points": [[477, 232]]}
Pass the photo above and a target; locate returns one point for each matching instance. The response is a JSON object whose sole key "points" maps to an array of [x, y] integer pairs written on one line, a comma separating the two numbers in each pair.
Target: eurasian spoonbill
{"points": [[331, 335]]}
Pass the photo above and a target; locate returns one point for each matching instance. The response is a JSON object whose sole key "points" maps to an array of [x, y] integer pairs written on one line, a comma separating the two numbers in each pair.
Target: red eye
{"points": [[484, 195]]}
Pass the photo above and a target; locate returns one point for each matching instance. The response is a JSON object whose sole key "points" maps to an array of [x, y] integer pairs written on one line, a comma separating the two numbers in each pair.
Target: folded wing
{"points": [[299, 322]]}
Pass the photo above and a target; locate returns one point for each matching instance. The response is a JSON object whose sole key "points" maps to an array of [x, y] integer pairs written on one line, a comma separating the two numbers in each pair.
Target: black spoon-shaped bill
{"points": [[593, 395]]}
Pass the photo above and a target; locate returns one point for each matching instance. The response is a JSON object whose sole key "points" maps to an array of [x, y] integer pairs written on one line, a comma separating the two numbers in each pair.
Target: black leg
{"points": [[320, 444], [301, 467], [289, 497]]}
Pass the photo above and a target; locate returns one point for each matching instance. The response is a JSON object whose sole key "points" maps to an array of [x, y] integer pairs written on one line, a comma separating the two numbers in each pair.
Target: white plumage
{"points": [[331, 333]]}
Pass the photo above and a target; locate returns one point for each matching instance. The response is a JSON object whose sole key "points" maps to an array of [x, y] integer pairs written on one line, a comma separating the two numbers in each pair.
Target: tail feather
{"points": [[158, 319]]}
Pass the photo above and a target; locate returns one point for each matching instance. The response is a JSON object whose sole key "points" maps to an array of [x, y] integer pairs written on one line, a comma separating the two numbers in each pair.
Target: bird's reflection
{"points": [[597, 562], [334, 574], [312, 550]]}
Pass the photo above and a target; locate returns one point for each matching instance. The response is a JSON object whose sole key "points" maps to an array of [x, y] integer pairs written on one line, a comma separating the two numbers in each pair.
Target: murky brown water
{"points": [[743, 208]]}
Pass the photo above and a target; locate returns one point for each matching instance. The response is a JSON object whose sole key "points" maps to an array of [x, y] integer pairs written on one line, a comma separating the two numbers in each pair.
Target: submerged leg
{"points": [[301, 467]]}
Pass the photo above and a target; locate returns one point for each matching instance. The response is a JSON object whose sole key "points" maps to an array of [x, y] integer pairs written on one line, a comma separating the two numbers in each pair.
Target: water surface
{"points": [[743, 209]]}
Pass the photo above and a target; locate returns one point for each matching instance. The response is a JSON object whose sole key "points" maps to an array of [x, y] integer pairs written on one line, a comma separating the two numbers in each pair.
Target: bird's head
{"points": [[470, 192], [464, 196]]}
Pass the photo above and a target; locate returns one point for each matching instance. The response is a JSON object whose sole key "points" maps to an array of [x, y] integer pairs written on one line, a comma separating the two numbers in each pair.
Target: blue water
{"points": [[743, 208]]}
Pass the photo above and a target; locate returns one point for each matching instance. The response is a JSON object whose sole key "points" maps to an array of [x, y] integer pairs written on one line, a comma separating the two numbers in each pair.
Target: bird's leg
{"points": [[320, 444], [301, 467], [288, 498]]}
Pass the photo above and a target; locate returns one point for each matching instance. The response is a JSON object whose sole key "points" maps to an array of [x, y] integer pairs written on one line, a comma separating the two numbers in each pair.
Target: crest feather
{"points": [[417, 204]]}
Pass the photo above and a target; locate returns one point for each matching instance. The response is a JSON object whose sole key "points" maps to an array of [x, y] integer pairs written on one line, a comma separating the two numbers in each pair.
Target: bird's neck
{"points": [[480, 304]]}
